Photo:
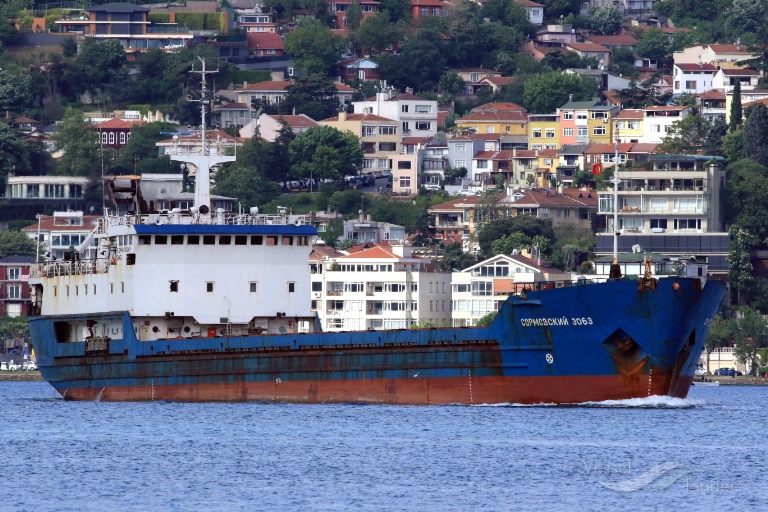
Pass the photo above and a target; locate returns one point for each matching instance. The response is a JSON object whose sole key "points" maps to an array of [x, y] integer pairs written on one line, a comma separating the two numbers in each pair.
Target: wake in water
{"points": [[650, 402]]}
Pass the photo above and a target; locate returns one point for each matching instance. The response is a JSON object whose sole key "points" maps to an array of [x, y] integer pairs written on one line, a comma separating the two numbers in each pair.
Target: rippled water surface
{"points": [[703, 453]]}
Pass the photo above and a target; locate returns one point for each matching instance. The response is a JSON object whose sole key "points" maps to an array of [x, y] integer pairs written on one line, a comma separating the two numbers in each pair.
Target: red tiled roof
{"points": [[712, 94], [548, 152], [297, 121], [499, 106], [117, 123], [427, 3], [550, 197], [528, 3], [729, 48], [232, 106], [479, 70], [412, 141], [741, 72], [661, 108], [378, 252], [629, 113], [496, 116], [455, 204], [265, 41], [696, 67], [587, 47], [643, 147], [46, 224], [269, 85], [499, 80], [619, 40], [599, 148]]}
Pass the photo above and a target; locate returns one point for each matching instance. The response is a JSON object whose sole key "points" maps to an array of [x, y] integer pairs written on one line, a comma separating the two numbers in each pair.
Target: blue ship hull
{"points": [[581, 343]]}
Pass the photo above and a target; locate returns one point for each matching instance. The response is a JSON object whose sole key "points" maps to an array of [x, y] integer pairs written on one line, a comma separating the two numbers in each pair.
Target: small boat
{"points": [[705, 383]]}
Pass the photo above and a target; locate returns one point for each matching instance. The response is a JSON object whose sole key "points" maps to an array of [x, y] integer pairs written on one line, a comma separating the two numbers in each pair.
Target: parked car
{"points": [[700, 371], [29, 366], [466, 192], [728, 372], [3, 366], [386, 174], [14, 367], [432, 188]]}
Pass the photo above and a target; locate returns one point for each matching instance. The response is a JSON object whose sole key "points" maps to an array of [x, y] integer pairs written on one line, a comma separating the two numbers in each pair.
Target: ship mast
{"points": [[207, 156]]}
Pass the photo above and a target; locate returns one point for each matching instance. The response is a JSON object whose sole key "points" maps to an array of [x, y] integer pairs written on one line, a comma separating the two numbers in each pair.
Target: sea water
{"points": [[706, 452]]}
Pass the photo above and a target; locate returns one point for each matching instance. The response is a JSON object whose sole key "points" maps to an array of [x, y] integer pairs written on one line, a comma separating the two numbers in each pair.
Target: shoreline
{"points": [[34, 376], [21, 376]]}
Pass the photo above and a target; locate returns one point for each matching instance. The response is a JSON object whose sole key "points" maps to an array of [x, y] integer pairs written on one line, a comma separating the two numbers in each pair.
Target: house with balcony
{"points": [[671, 206], [473, 78], [629, 125], [378, 288], [47, 192], [231, 115], [543, 131], [723, 56], [692, 78], [712, 104], [115, 133], [62, 230], [379, 137], [658, 120], [570, 162], [614, 41], [416, 116], [546, 170], [128, 23], [256, 21], [367, 231], [595, 51], [500, 117], [273, 92], [484, 287], [565, 207], [461, 150], [15, 297], [726, 79], [434, 163], [582, 122], [605, 154]]}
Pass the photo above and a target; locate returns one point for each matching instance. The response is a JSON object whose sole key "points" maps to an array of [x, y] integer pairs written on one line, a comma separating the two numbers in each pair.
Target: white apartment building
{"points": [[657, 121], [671, 209], [417, 116], [483, 288], [383, 287], [692, 78]]}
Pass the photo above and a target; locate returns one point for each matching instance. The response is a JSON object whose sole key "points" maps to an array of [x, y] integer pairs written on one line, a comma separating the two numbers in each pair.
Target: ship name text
{"points": [[551, 321]]}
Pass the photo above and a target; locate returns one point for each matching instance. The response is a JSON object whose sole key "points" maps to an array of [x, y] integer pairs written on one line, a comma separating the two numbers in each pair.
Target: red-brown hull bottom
{"points": [[412, 391]]}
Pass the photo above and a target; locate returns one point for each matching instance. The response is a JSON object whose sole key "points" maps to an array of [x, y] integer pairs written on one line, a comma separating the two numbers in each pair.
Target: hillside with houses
{"points": [[465, 131]]}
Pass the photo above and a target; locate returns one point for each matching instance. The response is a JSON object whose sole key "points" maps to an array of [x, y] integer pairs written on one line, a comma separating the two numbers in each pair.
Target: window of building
{"points": [[404, 108], [583, 131], [253, 287], [567, 132], [291, 287], [209, 287], [598, 130], [423, 109], [482, 164], [122, 137], [388, 130], [111, 137], [104, 139], [568, 116], [14, 291], [406, 126], [14, 273], [405, 182], [174, 286], [690, 84], [549, 133], [536, 133], [599, 115], [423, 126]]}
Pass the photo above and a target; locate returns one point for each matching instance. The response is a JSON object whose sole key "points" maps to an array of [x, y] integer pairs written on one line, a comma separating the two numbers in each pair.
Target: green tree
{"points": [[14, 155], [454, 258], [756, 134], [736, 113], [376, 32], [513, 241], [16, 243], [751, 336], [501, 227], [544, 93], [745, 197], [354, 16], [325, 152], [247, 185], [314, 47], [745, 16], [487, 319], [606, 20], [396, 9], [721, 333], [69, 47], [420, 65], [313, 95], [686, 136], [450, 86], [653, 44], [739, 259], [80, 143], [554, 9], [99, 65], [15, 93], [733, 146], [140, 152], [713, 142]]}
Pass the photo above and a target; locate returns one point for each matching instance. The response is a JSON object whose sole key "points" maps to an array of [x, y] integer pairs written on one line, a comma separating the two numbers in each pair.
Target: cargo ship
{"points": [[201, 305]]}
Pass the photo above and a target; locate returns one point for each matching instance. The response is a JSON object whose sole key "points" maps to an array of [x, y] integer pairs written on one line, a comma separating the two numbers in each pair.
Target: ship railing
{"points": [[69, 268]]}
